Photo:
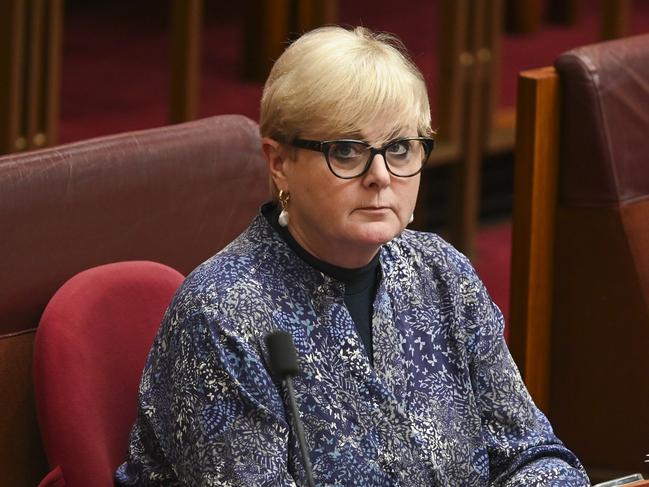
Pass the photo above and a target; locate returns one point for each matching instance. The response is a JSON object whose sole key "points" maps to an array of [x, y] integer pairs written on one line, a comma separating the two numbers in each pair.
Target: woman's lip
{"points": [[374, 208]]}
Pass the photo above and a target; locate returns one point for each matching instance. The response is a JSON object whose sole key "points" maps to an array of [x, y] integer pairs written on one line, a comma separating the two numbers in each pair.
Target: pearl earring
{"points": [[412, 218], [284, 197]]}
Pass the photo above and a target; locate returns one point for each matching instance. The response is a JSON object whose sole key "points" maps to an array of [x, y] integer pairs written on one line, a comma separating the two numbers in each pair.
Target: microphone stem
{"points": [[299, 431]]}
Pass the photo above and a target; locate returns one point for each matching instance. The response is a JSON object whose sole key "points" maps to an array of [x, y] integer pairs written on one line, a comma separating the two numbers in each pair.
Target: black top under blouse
{"points": [[360, 283]]}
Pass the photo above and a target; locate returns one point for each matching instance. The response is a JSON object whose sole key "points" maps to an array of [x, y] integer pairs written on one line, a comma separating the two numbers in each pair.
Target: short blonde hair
{"points": [[338, 81]]}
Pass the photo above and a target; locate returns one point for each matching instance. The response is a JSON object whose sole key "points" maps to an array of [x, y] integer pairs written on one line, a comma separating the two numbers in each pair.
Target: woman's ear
{"points": [[276, 158]]}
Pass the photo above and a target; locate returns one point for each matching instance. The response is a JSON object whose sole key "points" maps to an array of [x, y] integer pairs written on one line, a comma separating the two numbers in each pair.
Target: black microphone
{"points": [[283, 362]]}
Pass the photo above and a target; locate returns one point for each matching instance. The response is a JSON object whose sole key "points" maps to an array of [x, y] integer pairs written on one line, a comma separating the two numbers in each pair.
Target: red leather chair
{"points": [[89, 352], [174, 195], [579, 325]]}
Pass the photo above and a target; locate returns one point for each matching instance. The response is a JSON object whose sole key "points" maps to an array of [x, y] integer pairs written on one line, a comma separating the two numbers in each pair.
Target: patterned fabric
{"points": [[443, 405]]}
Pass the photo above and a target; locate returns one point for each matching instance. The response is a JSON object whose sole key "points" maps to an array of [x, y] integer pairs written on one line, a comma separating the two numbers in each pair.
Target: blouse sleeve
{"points": [[209, 412], [523, 450]]}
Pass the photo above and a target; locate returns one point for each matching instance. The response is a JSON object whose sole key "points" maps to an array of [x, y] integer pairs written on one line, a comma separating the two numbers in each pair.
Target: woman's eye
{"points": [[399, 148], [345, 151]]}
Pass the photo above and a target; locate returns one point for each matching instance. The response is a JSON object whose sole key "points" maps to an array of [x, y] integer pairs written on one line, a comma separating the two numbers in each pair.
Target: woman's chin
{"points": [[377, 233]]}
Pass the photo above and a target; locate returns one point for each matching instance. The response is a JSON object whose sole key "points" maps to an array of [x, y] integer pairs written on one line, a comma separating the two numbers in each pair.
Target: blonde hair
{"points": [[338, 82]]}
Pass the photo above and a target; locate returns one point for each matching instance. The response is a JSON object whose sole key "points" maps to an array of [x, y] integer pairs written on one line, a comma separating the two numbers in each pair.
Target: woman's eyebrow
{"points": [[381, 141], [396, 134]]}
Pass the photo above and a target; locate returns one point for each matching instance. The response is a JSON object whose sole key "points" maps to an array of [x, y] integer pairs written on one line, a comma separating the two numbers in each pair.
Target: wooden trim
{"points": [[490, 56], [22, 459], [535, 188], [502, 132], [34, 79], [465, 193], [500, 125], [562, 12], [454, 67], [615, 18], [30, 64], [12, 25], [51, 86], [186, 30], [44, 45], [315, 13], [267, 30], [454, 63], [523, 16]]}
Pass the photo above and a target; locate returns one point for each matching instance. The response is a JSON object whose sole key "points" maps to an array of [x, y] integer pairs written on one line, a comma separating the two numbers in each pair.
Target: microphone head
{"points": [[283, 357]]}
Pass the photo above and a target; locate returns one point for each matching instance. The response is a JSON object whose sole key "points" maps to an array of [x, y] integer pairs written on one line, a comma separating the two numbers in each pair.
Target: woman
{"points": [[405, 377]]}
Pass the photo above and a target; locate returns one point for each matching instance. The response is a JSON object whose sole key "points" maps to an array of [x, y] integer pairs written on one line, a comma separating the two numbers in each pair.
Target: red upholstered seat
{"points": [[580, 266], [89, 352], [175, 194]]}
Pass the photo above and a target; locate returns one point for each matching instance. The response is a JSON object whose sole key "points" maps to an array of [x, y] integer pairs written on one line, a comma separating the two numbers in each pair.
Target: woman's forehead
{"points": [[379, 133], [374, 133]]}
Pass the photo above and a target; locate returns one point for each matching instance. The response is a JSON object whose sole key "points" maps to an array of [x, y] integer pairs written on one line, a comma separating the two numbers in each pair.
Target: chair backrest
{"points": [[595, 276], [89, 352], [174, 195]]}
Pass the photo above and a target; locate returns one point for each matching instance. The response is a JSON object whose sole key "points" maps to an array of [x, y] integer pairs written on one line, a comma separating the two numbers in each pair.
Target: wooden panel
{"points": [[465, 193], [267, 30], [186, 29], [523, 16], [453, 66], [22, 461], [501, 124], [12, 25], [535, 181], [30, 63], [51, 86], [562, 11], [454, 62], [503, 131], [489, 54], [34, 80], [615, 18], [315, 13]]}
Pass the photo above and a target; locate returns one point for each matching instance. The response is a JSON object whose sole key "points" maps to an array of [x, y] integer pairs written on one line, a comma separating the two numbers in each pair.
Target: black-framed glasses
{"points": [[347, 158]]}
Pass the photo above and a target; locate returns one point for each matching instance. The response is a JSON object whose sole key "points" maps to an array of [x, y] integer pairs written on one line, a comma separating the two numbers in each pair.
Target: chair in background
{"points": [[89, 353], [580, 265], [174, 195]]}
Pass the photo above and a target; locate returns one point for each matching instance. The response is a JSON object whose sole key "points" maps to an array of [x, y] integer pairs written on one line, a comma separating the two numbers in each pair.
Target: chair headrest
{"points": [[605, 123], [174, 195]]}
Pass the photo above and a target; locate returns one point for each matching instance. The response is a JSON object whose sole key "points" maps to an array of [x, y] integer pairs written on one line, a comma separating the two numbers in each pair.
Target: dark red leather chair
{"points": [[89, 353], [580, 320], [174, 195], [600, 391]]}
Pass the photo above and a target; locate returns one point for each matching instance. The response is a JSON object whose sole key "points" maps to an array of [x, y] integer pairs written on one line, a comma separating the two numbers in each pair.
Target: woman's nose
{"points": [[377, 173]]}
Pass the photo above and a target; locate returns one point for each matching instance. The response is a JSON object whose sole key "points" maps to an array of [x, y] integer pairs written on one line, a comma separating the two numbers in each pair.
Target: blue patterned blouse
{"points": [[443, 405]]}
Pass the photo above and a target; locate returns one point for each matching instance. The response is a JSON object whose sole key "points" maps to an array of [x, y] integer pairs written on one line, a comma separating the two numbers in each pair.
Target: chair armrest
{"points": [[53, 479]]}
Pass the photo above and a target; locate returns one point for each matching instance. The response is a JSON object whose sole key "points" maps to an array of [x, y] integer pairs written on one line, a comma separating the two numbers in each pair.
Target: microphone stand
{"points": [[283, 361], [299, 431]]}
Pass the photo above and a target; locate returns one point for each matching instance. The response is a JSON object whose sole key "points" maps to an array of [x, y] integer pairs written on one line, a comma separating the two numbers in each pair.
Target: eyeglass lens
{"points": [[404, 157]]}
